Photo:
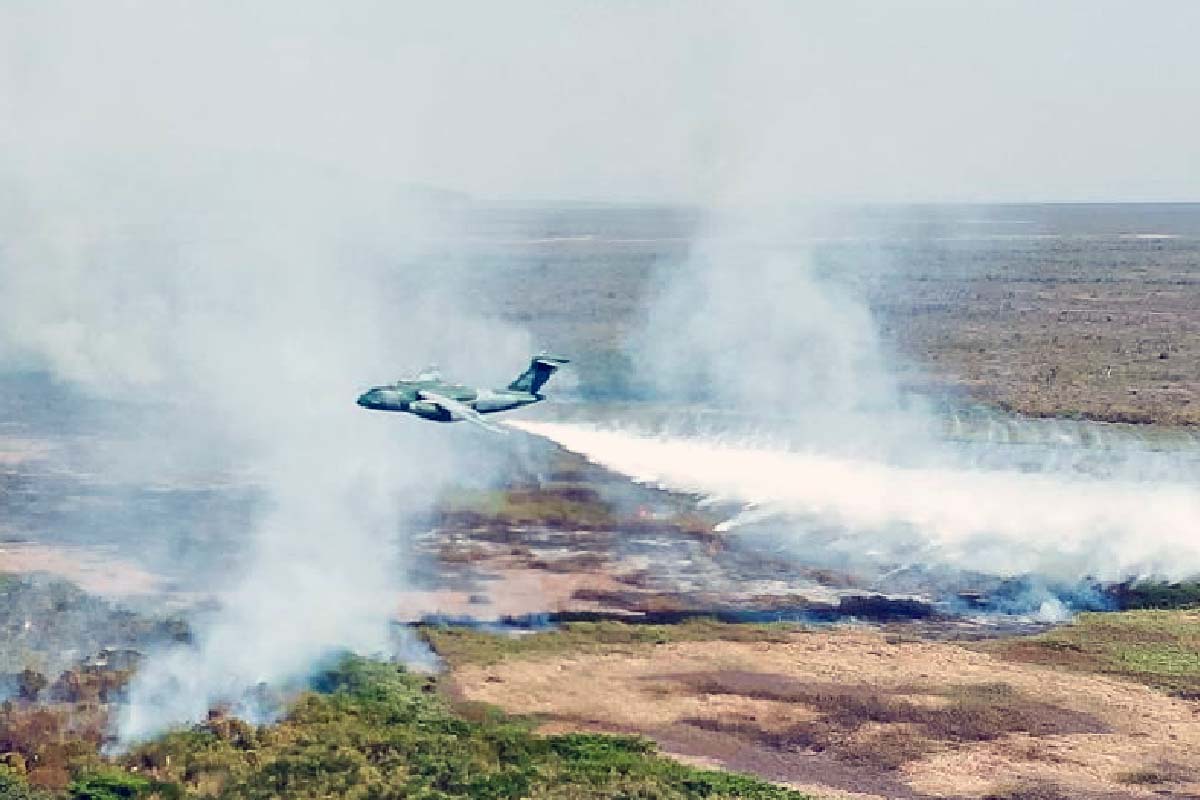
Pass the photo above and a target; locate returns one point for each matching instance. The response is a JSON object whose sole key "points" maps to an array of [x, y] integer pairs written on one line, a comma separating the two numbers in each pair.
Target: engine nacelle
{"points": [[428, 410], [486, 403]]}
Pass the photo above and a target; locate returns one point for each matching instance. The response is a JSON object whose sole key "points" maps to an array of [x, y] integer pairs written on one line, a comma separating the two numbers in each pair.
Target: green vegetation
{"points": [[564, 506], [14, 787], [466, 646], [373, 730], [1157, 648], [376, 731], [572, 501], [1159, 594], [116, 784]]}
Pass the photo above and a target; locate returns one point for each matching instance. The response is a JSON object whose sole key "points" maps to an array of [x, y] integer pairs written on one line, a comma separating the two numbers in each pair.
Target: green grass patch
{"points": [[117, 784], [1158, 648], [13, 786], [1159, 594], [572, 504], [460, 646], [376, 731], [563, 506]]}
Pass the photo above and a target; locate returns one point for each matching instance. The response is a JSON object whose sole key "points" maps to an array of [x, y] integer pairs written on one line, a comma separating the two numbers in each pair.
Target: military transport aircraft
{"points": [[430, 397]]}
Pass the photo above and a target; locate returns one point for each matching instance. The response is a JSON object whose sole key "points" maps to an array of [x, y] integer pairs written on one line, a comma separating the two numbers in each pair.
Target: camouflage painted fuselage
{"points": [[406, 396], [430, 397]]}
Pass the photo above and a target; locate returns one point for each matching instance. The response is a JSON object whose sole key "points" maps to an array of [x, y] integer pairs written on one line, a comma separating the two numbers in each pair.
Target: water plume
{"points": [[996, 521], [850, 468]]}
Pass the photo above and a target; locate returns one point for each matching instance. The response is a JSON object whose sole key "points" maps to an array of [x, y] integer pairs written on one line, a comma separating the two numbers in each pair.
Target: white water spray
{"points": [[996, 521]]}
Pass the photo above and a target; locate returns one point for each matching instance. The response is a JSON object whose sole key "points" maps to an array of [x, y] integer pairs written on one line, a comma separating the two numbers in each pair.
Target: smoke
{"points": [[242, 314], [830, 459], [760, 322], [753, 322], [214, 216], [231, 279]]}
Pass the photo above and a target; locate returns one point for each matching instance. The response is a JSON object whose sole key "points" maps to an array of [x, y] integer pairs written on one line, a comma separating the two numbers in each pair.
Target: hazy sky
{"points": [[705, 102]]}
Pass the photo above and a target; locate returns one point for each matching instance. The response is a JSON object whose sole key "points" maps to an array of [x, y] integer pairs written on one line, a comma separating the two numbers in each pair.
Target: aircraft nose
{"points": [[364, 400]]}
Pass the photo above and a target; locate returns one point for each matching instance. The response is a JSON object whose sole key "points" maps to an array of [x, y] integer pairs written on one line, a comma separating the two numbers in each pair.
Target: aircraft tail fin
{"points": [[541, 367]]}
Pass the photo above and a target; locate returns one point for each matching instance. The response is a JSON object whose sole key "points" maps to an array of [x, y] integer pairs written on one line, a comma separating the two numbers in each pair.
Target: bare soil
{"points": [[855, 711], [94, 572], [1089, 311], [1104, 330]]}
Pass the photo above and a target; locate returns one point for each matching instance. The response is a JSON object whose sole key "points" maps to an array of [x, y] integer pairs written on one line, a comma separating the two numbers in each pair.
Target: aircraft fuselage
{"points": [[405, 396]]}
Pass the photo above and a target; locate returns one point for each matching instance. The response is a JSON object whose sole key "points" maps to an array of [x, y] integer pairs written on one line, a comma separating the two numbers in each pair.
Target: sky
{"points": [[696, 102]]}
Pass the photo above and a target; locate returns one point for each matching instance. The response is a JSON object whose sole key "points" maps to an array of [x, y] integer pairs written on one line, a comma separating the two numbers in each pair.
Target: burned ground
{"points": [[905, 720], [855, 710], [1086, 311], [1069, 323]]}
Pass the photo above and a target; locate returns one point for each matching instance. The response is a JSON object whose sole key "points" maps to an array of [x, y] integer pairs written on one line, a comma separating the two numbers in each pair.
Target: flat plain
{"points": [[1071, 310]]}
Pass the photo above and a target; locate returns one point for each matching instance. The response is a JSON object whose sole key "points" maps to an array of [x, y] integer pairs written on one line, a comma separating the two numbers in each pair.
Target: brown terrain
{"points": [[914, 707], [1101, 327], [1090, 311], [856, 712], [1079, 318], [94, 572], [1053, 330], [575, 538]]}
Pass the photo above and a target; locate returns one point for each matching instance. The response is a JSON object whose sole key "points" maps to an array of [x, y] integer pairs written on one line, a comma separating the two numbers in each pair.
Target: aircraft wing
{"points": [[459, 410]]}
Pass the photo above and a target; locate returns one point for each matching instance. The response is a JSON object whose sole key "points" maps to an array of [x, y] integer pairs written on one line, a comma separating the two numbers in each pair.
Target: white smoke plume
{"points": [[233, 278], [751, 322], [250, 331], [755, 323], [209, 210], [842, 466]]}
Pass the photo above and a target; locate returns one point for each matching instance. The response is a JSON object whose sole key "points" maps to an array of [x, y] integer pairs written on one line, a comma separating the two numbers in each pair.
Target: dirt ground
{"points": [[511, 592], [855, 712], [1089, 311], [1106, 327], [93, 572], [1109, 331]]}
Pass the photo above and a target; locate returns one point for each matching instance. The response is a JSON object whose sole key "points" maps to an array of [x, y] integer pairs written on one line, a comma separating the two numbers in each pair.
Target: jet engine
{"points": [[428, 410]]}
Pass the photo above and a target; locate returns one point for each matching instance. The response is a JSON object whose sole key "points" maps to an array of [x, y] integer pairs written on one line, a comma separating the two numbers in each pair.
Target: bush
{"points": [[377, 731], [13, 787], [110, 785], [1158, 595]]}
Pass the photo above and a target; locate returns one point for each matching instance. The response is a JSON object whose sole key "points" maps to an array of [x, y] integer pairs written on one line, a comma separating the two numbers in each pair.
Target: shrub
{"points": [[13, 787], [377, 731], [113, 784]]}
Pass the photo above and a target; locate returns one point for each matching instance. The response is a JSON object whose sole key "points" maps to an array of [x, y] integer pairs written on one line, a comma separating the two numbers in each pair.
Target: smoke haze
{"points": [[922, 100], [233, 298], [831, 459], [241, 315], [223, 219]]}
